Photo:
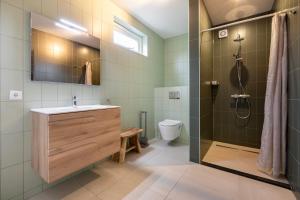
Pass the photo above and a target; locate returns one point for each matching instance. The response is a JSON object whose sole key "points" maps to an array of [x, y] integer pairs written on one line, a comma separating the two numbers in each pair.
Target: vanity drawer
{"points": [[63, 164], [85, 116], [68, 137], [65, 143]]}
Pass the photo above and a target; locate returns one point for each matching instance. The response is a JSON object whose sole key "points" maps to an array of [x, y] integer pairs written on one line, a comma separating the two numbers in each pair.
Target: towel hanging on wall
{"points": [[88, 73]]}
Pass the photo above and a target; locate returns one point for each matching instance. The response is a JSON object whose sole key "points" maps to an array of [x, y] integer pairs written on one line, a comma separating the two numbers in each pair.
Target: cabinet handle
{"points": [[73, 121]]}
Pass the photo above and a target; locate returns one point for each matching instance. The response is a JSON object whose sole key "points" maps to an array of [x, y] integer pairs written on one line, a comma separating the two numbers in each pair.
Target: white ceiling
{"points": [[168, 18], [224, 11]]}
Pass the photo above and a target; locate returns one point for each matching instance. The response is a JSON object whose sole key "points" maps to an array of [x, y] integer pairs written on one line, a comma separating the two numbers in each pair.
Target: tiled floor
{"points": [[161, 172], [236, 158]]}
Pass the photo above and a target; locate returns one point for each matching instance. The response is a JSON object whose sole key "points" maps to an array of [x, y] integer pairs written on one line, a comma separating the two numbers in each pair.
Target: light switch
{"points": [[15, 95]]}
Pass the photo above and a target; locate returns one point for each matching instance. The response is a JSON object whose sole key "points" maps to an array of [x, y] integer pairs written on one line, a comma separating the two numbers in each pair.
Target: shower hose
{"points": [[241, 97], [236, 109]]}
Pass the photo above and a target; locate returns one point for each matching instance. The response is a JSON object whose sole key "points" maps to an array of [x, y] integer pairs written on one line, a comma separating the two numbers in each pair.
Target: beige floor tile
{"points": [[79, 195], [167, 179], [114, 169], [255, 190], [95, 183], [189, 191], [119, 190], [150, 195], [238, 160], [144, 186], [146, 155], [209, 179], [163, 172], [59, 191], [200, 183]]}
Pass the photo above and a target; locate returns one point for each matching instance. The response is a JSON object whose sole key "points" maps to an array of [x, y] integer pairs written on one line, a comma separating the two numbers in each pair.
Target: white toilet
{"points": [[170, 129]]}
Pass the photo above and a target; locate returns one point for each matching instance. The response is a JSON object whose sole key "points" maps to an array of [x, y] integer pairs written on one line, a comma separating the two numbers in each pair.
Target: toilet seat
{"points": [[170, 129], [169, 122]]}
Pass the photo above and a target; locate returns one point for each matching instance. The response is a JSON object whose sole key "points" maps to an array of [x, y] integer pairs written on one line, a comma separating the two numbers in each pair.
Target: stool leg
{"points": [[137, 144], [123, 150], [115, 156]]}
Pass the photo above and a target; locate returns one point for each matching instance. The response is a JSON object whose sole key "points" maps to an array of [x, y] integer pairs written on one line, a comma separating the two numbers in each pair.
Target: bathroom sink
{"points": [[68, 109]]}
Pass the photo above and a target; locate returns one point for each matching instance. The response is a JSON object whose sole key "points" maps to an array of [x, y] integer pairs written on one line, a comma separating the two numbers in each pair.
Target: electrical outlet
{"points": [[15, 95]]}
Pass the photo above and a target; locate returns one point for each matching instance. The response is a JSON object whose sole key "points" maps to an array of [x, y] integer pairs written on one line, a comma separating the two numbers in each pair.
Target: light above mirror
{"points": [[73, 25], [67, 28]]}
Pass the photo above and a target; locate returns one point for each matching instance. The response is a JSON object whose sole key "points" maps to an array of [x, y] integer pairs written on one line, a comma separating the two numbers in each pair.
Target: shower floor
{"points": [[236, 157]]}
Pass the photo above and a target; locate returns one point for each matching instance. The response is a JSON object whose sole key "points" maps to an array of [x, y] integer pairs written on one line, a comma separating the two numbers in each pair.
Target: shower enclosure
{"points": [[233, 76]]}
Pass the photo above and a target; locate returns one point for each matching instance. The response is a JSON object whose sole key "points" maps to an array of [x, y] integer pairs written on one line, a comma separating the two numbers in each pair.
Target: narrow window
{"points": [[129, 37]]}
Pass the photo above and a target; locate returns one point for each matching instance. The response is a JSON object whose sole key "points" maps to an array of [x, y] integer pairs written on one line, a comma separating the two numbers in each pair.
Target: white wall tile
{"points": [[10, 80], [27, 146], [27, 26], [75, 14], [49, 8], [176, 61], [12, 53], [27, 56], [31, 178], [77, 91], [87, 21], [11, 181], [32, 89], [49, 104], [16, 3], [96, 27], [97, 92], [65, 92], [64, 9], [87, 92], [11, 20], [28, 105], [11, 149], [49, 91], [33, 5], [11, 117]]}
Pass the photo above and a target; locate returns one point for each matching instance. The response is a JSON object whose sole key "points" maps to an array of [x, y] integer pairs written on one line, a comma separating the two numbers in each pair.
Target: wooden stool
{"points": [[130, 136]]}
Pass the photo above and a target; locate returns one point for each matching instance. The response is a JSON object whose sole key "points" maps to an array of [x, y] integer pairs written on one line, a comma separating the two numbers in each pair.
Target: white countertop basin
{"points": [[69, 109]]}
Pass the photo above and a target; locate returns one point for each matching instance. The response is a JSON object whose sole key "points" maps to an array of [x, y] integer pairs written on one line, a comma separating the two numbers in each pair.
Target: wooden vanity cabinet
{"points": [[65, 143]]}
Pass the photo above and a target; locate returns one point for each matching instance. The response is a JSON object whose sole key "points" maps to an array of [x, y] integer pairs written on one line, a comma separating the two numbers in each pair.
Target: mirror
{"points": [[62, 51]]}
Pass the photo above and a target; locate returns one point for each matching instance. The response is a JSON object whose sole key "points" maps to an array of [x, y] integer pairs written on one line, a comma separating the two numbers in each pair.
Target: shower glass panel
{"points": [[233, 75]]}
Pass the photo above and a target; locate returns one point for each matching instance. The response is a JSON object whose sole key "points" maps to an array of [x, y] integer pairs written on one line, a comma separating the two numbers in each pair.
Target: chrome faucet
{"points": [[74, 101]]}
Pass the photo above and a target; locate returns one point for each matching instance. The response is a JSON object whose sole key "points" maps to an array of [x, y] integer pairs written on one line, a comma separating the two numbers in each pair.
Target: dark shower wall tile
{"points": [[206, 76], [294, 84], [255, 46]]}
